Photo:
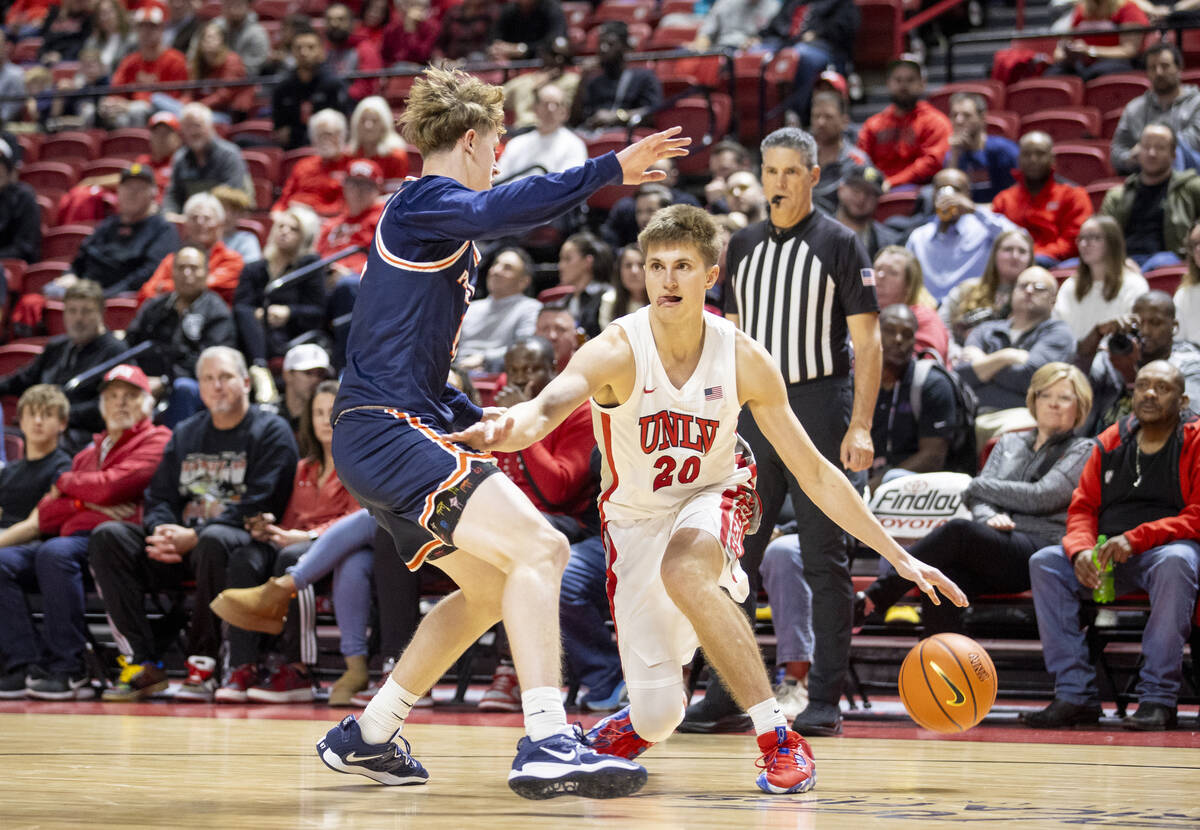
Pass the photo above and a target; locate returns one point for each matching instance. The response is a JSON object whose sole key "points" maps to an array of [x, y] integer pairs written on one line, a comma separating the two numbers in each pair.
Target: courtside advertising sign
{"points": [[911, 506]]}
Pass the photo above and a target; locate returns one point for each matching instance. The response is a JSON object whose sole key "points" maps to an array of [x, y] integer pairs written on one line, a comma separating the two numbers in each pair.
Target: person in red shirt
{"points": [[373, 136], [316, 180], [910, 138], [153, 62], [354, 226], [411, 35], [204, 220], [214, 59], [107, 480], [1096, 55], [1052, 211]]}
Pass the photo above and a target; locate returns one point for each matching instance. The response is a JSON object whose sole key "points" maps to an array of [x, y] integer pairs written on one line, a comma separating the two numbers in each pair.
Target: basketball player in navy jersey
{"points": [[666, 385], [442, 502]]}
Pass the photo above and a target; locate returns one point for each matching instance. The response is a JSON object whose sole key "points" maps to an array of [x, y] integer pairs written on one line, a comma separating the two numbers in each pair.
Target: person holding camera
{"points": [[1145, 335], [956, 243]]}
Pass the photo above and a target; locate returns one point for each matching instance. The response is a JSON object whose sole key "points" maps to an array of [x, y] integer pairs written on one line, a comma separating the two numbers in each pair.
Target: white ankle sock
{"points": [[766, 716], [386, 712], [544, 713]]}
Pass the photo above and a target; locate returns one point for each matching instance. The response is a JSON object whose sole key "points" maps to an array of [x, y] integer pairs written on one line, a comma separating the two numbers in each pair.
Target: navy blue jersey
{"points": [[419, 278]]}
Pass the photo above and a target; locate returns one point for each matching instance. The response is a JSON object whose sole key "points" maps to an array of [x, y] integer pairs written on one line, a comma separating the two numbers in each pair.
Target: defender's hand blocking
{"points": [[930, 580], [492, 429], [637, 157]]}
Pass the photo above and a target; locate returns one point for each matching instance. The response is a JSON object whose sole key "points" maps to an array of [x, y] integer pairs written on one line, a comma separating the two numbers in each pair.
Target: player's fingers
{"points": [[653, 176], [928, 590]]}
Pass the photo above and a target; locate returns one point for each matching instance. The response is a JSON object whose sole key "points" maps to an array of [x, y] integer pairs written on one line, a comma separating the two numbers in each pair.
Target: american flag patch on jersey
{"points": [[868, 276], [713, 393]]}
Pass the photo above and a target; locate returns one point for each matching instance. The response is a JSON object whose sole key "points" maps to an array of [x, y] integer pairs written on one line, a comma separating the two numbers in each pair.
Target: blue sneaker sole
{"points": [[803, 787], [613, 783], [332, 760]]}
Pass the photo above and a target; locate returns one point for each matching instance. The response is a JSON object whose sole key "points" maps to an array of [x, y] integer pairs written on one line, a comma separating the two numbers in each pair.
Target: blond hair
{"points": [[1052, 373], [683, 223], [914, 277], [44, 397], [391, 139], [444, 104]]}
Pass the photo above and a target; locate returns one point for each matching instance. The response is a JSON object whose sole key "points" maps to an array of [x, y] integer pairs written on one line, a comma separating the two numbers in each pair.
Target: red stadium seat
{"points": [[73, 146], [705, 121], [1114, 91], [673, 37], [103, 167], [626, 11], [1004, 123], [262, 165], [39, 274], [1081, 163], [128, 143], [274, 9], [14, 356], [555, 293], [879, 36], [264, 193], [1064, 123], [897, 203], [1109, 126], [259, 229], [52, 318], [14, 274], [289, 161], [1030, 96], [1166, 278], [48, 205], [259, 128], [1190, 76], [14, 447], [49, 177], [31, 145], [119, 312], [62, 243], [992, 91]]}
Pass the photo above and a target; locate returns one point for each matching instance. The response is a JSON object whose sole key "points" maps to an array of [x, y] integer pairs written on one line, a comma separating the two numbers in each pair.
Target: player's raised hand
{"points": [[490, 430], [637, 157], [930, 580]]}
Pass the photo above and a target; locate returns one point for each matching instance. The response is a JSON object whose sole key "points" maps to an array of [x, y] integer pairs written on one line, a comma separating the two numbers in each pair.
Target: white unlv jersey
{"points": [[664, 444]]}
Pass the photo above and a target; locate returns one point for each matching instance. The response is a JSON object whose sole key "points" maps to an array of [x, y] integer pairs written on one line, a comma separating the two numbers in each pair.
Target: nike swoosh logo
{"points": [[562, 756], [354, 757], [959, 698], [646, 391]]}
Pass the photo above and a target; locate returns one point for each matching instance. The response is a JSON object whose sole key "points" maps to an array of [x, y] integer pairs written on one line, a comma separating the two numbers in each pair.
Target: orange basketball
{"points": [[947, 683]]}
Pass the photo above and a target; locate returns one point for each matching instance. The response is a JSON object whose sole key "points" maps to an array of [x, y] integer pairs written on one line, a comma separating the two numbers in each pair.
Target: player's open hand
{"points": [[930, 580], [490, 430], [637, 157]]}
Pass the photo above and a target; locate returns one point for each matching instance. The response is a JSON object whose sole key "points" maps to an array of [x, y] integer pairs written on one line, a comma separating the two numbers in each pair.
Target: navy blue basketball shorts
{"points": [[411, 480]]}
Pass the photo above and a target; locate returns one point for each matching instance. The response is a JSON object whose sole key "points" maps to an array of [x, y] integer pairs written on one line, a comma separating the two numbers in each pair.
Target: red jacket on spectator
{"points": [[1128, 14], [122, 476], [162, 170], [416, 46], [908, 147], [1052, 217], [560, 466], [359, 57], [169, 66], [224, 269], [1083, 514], [394, 166], [317, 183], [229, 99], [313, 505], [26, 13], [343, 231]]}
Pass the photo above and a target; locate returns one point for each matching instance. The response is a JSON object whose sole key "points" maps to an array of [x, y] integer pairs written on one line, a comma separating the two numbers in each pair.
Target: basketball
{"points": [[947, 683]]}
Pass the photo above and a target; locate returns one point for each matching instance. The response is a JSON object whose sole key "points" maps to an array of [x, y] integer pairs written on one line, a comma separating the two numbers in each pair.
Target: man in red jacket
{"points": [[909, 139], [1141, 489], [1052, 211], [106, 481], [355, 225]]}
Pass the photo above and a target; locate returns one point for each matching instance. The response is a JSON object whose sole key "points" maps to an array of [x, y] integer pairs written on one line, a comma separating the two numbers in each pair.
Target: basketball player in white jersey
{"points": [[666, 385]]}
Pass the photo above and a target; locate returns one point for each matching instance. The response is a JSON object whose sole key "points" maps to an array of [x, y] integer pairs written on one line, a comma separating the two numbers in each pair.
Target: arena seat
{"points": [[896, 203], [119, 312], [879, 36], [14, 356], [127, 143], [1064, 123], [624, 11], [1034, 94], [62, 242], [1166, 278], [71, 147], [1097, 190], [991, 89], [39, 274], [1004, 123], [1081, 163], [1114, 91]]}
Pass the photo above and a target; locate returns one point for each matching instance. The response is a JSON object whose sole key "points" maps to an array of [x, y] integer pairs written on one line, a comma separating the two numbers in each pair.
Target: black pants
{"points": [[980, 559], [224, 557], [298, 642], [823, 408]]}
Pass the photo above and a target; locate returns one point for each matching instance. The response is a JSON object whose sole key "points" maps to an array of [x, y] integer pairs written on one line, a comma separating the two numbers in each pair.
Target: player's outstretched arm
{"points": [[761, 387], [601, 362], [637, 157]]}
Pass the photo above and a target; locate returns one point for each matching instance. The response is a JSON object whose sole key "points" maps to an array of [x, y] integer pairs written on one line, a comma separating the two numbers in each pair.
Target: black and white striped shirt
{"points": [[792, 291]]}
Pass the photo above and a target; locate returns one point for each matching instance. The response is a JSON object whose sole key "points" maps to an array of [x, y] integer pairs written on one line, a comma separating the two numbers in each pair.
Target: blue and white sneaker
{"points": [[563, 765], [344, 750]]}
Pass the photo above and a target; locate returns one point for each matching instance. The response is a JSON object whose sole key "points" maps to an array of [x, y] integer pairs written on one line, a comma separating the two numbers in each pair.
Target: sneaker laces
{"points": [[128, 670], [580, 733], [788, 748]]}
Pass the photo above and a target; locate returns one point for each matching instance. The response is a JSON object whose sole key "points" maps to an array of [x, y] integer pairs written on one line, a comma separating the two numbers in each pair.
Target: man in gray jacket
{"points": [[1166, 102]]}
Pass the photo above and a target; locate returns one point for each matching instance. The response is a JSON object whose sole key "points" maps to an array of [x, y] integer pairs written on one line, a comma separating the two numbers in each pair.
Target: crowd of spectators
{"points": [[1032, 305]]}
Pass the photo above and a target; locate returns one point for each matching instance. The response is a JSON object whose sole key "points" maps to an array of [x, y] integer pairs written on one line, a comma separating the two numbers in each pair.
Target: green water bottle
{"points": [[1107, 591]]}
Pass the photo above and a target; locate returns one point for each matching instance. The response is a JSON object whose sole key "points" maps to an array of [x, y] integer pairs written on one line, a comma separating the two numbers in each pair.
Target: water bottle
{"points": [[1107, 591]]}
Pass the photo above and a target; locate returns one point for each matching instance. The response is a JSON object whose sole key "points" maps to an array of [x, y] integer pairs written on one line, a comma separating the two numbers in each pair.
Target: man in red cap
{"points": [[355, 225], [153, 62], [106, 481], [165, 139]]}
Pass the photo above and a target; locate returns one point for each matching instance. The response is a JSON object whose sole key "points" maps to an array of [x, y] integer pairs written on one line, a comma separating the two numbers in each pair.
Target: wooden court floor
{"points": [[110, 771]]}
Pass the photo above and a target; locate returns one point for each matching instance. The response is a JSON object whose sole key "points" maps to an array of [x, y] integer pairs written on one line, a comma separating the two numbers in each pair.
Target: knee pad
{"points": [[656, 712]]}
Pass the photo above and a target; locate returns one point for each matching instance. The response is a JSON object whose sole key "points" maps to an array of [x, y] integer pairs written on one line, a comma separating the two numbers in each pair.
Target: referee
{"points": [[801, 284]]}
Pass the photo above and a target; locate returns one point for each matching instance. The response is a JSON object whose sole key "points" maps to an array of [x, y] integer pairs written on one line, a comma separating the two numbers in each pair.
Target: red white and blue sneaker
{"points": [[344, 750], [615, 735], [787, 763], [564, 765]]}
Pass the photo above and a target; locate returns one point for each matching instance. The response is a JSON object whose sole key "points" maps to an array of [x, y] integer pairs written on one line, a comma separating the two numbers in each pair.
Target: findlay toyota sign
{"points": [[910, 507]]}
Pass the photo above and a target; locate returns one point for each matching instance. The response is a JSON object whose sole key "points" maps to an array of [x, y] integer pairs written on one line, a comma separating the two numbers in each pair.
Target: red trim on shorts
{"points": [[610, 575], [606, 447]]}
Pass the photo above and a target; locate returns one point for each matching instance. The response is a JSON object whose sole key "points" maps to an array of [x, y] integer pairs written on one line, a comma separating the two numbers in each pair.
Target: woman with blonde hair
{"points": [[1104, 285], [898, 279], [988, 297], [266, 321], [373, 136], [1018, 505], [211, 57], [1187, 297], [110, 33]]}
